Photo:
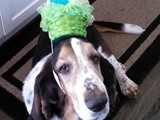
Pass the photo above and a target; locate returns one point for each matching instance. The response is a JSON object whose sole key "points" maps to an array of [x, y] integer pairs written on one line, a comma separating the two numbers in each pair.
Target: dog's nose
{"points": [[97, 103]]}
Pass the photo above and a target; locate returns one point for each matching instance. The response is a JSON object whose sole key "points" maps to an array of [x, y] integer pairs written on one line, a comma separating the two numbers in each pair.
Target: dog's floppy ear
{"points": [[47, 95], [108, 74], [36, 113]]}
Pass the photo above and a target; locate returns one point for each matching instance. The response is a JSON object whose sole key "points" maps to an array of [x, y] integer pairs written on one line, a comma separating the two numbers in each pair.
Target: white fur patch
{"points": [[85, 65], [133, 29], [29, 82]]}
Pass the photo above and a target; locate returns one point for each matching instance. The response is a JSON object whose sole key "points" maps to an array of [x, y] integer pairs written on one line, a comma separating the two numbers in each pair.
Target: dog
{"points": [[77, 80]]}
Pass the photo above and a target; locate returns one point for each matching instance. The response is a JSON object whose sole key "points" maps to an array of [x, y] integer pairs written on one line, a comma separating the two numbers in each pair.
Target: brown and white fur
{"points": [[77, 79]]}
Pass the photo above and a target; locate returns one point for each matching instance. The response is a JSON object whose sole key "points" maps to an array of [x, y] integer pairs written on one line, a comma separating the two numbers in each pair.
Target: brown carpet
{"points": [[139, 53]]}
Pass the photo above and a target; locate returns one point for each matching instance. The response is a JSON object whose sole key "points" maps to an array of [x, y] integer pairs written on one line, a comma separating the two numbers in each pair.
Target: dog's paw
{"points": [[129, 88]]}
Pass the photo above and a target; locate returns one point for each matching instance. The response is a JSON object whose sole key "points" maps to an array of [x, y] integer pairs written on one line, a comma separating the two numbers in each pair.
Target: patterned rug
{"points": [[139, 53]]}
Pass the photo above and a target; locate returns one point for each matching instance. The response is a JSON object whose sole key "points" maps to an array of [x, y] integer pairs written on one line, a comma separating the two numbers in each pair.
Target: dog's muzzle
{"points": [[95, 99]]}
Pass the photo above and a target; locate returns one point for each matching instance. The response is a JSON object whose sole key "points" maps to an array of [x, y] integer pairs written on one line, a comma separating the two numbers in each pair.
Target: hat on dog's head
{"points": [[62, 18]]}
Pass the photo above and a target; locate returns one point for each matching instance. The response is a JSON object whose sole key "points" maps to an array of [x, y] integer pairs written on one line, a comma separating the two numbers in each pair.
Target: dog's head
{"points": [[77, 74], [76, 63]]}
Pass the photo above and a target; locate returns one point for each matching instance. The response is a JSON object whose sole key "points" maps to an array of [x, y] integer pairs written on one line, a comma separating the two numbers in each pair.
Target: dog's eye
{"points": [[64, 69], [95, 59]]}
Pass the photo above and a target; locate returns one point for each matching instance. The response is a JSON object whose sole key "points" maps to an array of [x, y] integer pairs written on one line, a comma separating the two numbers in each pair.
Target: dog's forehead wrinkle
{"points": [[85, 69], [80, 50], [65, 53], [77, 48], [58, 47]]}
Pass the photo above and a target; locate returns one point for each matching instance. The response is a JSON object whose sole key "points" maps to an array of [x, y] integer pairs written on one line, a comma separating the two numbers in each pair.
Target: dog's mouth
{"points": [[94, 107]]}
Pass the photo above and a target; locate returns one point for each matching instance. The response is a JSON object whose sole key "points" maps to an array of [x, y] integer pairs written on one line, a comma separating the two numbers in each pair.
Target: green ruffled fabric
{"points": [[61, 20]]}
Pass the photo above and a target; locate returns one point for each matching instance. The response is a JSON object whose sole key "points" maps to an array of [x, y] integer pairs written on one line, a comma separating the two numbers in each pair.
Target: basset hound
{"points": [[77, 80]]}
